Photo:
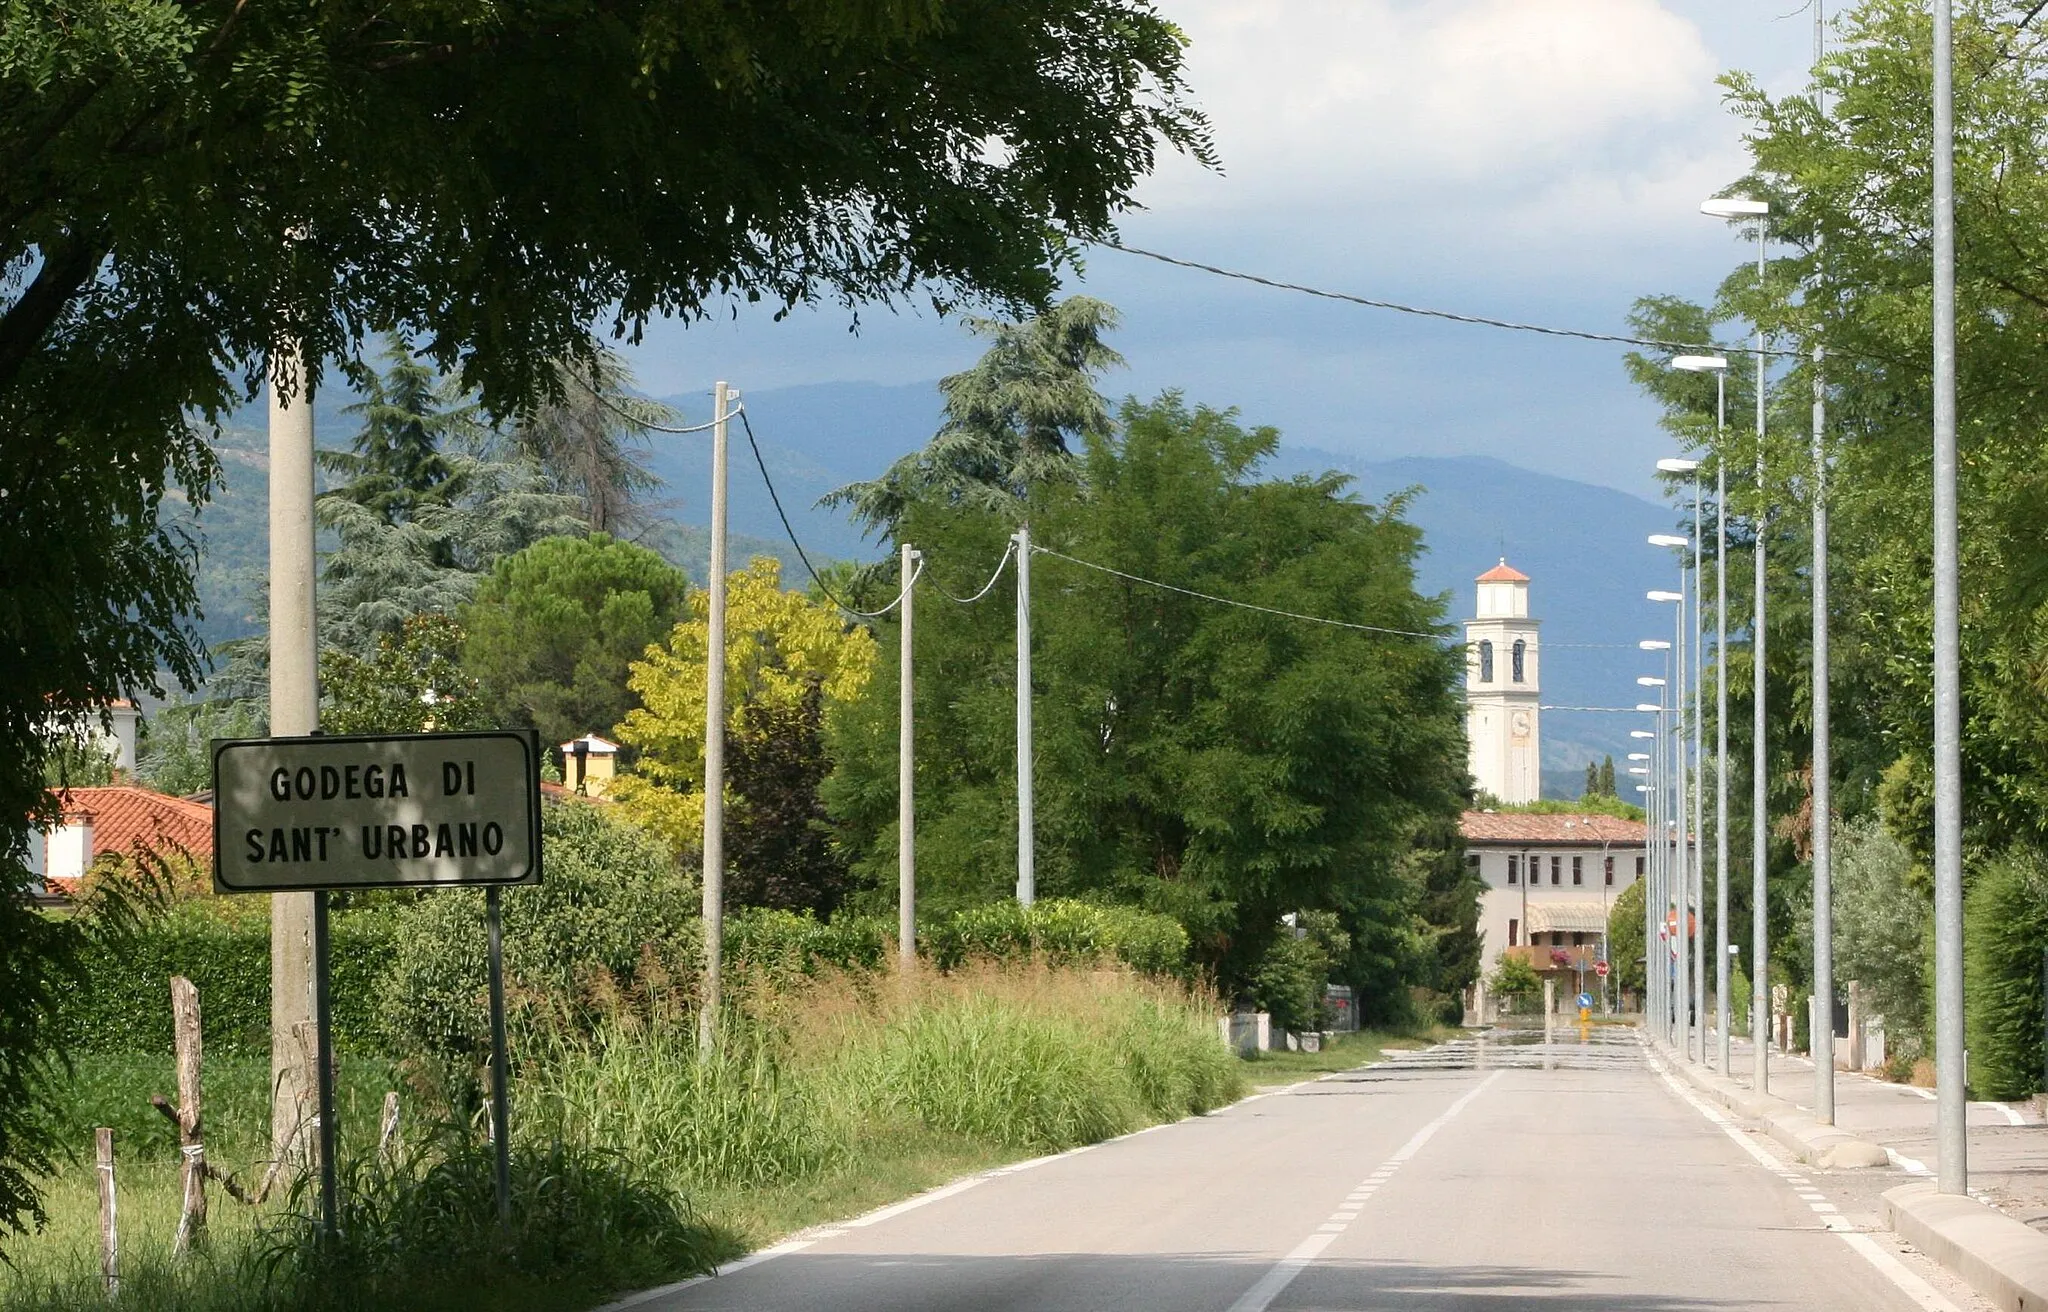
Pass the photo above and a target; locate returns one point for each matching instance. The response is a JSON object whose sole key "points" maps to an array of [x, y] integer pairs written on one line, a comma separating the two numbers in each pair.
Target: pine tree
{"points": [[399, 464], [1592, 788], [1607, 777]]}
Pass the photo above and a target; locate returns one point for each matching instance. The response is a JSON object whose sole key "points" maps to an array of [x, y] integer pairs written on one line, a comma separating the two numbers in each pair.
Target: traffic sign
{"points": [[376, 811], [1600, 969], [1585, 1001]]}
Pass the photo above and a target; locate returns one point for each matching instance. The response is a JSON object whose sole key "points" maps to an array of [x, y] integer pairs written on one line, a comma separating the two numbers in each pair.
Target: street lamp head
{"points": [[1700, 364], [1638, 756], [1640, 733], [1649, 708], [1669, 540], [1679, 464], [1649, 681], [1659, 594], [1654, 644], [1638, 769], [1734, 207], [1642, 788]]}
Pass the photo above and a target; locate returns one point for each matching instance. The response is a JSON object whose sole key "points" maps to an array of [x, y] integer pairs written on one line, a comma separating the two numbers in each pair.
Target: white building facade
{"points": [[1503, 720], [1550, 885]]}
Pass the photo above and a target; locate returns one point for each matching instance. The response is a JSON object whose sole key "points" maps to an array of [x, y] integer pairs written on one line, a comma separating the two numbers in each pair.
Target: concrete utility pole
{"points": [[906, 802], [714, 736], [1951, 1139], [1027, 872], [294, 711]]}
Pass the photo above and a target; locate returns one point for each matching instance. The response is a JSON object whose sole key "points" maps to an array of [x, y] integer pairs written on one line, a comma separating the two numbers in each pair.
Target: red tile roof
{"points": [[125, 816], [1575, 829], [1503, 573]]}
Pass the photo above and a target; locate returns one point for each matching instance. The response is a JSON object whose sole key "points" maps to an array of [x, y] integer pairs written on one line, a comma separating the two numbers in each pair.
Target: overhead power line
{"points": [[1704, 348], [801, 554], [1227, 601], [969, 601]]}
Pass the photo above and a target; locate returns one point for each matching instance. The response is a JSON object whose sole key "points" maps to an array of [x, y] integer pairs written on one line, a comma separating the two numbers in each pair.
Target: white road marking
{"points": [[1924, 1295], [1282, 1274]]}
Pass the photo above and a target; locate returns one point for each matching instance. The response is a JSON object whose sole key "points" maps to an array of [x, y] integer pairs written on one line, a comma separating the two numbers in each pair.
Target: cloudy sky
{"points": [[1531, 159]]}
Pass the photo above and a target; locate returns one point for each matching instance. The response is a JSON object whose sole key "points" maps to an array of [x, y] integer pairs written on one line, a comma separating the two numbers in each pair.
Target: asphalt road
{"points": [[1482, 1175]]}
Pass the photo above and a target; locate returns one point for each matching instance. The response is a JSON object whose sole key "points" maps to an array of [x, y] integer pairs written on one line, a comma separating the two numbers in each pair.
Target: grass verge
{"points": [[1343, 1053]]}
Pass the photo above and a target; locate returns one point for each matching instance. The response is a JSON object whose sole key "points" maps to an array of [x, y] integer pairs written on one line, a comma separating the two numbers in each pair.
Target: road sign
{"points": [[1600, 969], [404, 810], [1585, 1001]]}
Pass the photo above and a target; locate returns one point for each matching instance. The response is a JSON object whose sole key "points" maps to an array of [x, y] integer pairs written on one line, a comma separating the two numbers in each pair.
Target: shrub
{"points": [[1059, 931], [611, 911], [1288, 983], [1883, 920], [798, 941], [2005, 928]]}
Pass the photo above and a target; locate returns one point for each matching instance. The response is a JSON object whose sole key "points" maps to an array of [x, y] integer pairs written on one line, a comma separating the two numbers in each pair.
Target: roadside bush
{"points": [[1060, 931], [775, 940], [1289, 981], [612, 912], [2005, 927], [1882, 926]]}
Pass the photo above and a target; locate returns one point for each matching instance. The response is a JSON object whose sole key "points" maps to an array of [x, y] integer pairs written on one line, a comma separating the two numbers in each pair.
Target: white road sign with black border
{"points": [[388, 811]]}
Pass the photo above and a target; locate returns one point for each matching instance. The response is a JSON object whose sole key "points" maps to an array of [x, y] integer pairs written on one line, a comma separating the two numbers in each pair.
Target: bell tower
{"points": [[1502, 725]]}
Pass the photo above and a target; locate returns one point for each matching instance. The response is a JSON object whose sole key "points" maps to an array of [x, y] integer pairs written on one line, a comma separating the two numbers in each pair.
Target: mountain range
{"points": [[1581, 544]]}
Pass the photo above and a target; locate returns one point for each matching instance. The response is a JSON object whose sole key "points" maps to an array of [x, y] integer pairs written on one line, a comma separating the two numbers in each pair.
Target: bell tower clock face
{"points": [[1520, 724]]}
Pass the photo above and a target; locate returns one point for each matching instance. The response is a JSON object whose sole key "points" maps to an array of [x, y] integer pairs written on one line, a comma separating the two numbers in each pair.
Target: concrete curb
{"points": [[2004, 1260], [1808, 1139]]}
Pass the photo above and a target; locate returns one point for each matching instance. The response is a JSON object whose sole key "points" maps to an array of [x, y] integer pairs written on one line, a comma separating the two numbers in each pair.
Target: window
{"points": [[1472, 862], [1639, 871], [1609, 863], [1486, 660], [1578, 940], [1521, 648], [1578, 870], [1514, 869], [1514, 927], [1556, 871]]}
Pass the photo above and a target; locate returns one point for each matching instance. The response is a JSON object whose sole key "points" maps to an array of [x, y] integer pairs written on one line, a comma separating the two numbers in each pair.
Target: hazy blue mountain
{"points": [[1581, 544]]}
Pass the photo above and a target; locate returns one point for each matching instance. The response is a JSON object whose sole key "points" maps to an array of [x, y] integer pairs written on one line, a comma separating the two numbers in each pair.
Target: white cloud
{"points": [[1337, 99]]}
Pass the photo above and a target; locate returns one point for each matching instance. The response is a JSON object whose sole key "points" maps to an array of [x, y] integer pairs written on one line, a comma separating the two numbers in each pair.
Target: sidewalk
{"points": [[2008, 1146]]}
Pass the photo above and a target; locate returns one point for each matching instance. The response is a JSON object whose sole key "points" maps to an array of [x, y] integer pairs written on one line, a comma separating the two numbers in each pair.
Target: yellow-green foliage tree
{"points": [[790, 663]]}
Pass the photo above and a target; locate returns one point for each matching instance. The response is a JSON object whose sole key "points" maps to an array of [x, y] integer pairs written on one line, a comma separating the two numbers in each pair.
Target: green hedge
{"points": [[1063, 931], [125, 1005], [2005, 927]]}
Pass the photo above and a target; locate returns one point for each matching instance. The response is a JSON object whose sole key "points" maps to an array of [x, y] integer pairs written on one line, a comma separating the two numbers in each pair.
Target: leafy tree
{"points": [[1013, 421], [588, 436], [1625, 937], [780, 841], [411, 415], [162, 231], [553, 629], [1514, 977], [414, 684], [1220, 764], [1882, 923], [784, 652], [176, 752]]}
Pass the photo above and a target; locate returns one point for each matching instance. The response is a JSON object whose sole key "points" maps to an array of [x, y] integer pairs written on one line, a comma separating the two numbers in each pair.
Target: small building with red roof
{"points": [[120, 820]]}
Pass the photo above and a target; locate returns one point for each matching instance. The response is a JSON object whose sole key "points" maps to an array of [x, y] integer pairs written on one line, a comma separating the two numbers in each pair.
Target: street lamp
{"points": [[1718, 366], [1657, 884], [1688, 866], [1741, 207], [1671, 839]]}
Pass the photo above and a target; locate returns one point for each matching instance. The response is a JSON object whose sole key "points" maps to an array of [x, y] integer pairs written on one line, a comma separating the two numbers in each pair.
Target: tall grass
{"points": [[1022, 1056], [833, 1084]]}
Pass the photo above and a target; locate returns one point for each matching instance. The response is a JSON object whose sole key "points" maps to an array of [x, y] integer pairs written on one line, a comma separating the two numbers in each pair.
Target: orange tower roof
{"points": [[1503, 573]]}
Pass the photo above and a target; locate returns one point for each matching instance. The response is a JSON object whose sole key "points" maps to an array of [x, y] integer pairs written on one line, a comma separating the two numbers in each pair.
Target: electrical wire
{"points": [[1619, 710], [801, 554], [1226, 601], [969, 601], [1450, 315], [637, 421]]}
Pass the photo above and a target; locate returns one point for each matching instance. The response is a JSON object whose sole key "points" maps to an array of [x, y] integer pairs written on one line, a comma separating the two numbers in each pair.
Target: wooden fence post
{"points": [[110, 1227], [191, 1135], [387, 1133]]}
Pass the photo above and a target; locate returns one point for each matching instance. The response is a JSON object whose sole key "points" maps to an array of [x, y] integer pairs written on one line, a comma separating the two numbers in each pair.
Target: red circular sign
{"points": [[1600, 969]]}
